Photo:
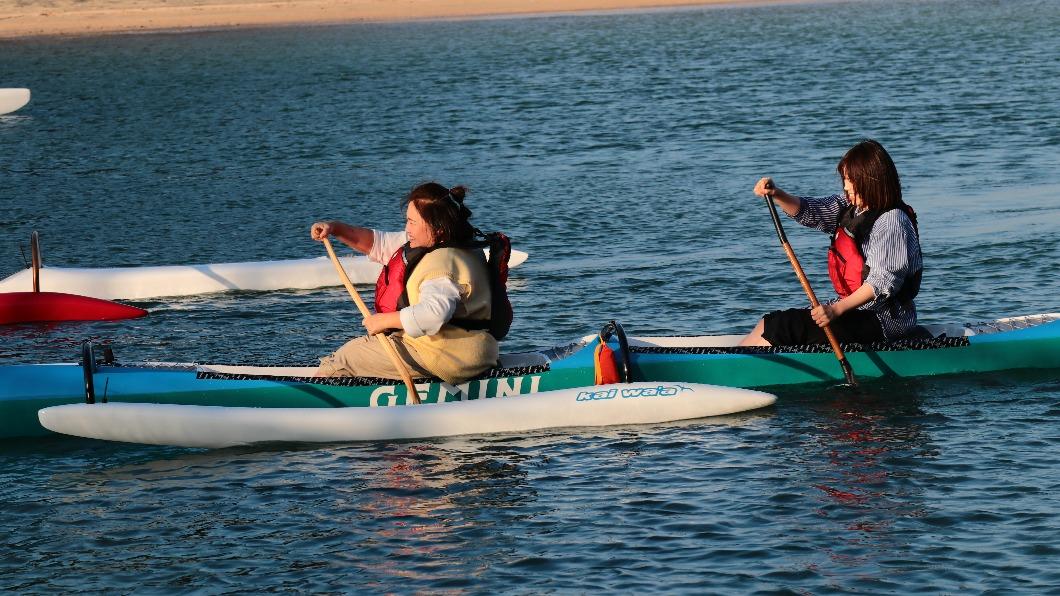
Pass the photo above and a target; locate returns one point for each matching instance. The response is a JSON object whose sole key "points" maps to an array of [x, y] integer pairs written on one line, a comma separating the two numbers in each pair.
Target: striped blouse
{"points": [[892, 253]]}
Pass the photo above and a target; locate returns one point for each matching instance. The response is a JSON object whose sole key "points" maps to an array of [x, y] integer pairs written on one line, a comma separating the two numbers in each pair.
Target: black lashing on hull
{"points": [[901, 345], [493, 373]]}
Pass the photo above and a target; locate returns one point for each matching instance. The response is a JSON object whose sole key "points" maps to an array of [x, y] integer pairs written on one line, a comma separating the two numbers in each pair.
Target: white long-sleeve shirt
{"points": [[892, 253], [439, 297]]}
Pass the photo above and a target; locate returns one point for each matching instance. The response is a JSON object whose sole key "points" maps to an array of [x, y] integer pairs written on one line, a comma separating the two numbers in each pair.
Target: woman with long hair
{"points": [[874, 259]]}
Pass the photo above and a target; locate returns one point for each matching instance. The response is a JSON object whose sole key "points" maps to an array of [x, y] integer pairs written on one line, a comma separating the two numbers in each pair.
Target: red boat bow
{"points": [[31, 307]]}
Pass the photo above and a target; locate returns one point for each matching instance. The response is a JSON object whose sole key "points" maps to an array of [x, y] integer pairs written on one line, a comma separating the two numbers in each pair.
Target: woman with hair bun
{"points": [[874, 259], [434, 293]]}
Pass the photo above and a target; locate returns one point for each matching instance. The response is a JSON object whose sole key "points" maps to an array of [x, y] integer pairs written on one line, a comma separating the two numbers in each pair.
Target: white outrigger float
{"points": [[137, 283], [13, 99], [217, 426]]}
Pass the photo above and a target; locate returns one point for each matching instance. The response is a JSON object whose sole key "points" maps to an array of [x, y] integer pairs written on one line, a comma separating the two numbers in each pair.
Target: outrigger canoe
{"points": [[137, 283], [1010, 343]]}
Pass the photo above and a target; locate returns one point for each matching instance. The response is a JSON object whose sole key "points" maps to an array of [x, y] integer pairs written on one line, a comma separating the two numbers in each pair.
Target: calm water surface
{"points": [[619, 151]]}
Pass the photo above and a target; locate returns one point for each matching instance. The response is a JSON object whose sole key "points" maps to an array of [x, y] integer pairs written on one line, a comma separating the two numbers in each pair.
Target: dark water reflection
{"points": [[898, 485]]}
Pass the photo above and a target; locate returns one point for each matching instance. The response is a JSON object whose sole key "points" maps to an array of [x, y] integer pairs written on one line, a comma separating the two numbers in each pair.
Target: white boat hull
{"points": [[133, 283], [13, 99], [214, 426]]}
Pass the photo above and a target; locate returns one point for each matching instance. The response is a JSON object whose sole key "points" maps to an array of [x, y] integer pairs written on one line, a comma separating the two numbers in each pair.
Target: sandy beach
{"points": [[32, 18]]}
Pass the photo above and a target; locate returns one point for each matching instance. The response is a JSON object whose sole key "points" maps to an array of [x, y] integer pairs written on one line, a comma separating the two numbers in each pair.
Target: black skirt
{"points": [[795, 326]]}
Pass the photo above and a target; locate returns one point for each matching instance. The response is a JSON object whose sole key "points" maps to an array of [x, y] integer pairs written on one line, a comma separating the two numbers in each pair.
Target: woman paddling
{"points": [[434, 291], [874, 259]]}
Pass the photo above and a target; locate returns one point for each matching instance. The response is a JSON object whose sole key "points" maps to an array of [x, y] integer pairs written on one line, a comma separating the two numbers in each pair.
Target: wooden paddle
{"points": [[413, 395], [847, 371]]}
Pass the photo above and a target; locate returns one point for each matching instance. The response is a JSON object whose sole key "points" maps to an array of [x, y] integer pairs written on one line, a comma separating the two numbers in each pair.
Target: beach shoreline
{"points": [[64, 18]]}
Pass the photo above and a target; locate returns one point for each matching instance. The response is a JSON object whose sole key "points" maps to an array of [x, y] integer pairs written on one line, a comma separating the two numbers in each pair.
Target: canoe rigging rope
{"points": [[493, 373], [1013, 324]]}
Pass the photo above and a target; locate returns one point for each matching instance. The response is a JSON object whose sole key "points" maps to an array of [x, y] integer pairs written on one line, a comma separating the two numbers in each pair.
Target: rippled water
{"points": [[619, 151]]}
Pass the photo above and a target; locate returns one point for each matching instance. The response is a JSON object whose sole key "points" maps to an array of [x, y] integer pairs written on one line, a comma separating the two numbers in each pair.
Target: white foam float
{"points": [[216, 426]]}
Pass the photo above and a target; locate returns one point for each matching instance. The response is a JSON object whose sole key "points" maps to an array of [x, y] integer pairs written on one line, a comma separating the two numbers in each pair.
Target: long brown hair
{"points": [[444, 211], [875, 178]]}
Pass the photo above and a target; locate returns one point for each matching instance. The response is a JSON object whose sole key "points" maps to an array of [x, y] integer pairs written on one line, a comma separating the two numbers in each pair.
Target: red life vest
{"points": [[391, 294], [846, 263], [390, 285]]}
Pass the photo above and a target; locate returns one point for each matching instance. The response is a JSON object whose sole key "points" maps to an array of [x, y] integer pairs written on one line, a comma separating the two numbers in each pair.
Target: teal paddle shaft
{"points": [[848, 372]]}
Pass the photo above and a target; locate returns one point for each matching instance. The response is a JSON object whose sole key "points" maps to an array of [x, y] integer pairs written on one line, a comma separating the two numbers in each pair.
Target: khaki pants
{"points": [[365, 356]]}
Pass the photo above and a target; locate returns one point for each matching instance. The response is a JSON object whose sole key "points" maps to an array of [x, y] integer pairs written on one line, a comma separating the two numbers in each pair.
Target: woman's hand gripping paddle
{"points": [[413, 396], [847, 371]]}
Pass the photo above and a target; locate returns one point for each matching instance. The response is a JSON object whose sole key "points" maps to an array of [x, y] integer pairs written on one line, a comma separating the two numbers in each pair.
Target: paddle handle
{"points": [[388, 346], [848, 372]]}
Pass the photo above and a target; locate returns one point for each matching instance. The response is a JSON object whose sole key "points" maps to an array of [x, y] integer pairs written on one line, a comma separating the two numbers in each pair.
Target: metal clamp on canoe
{"points": [[612, 327], [88, 367]]}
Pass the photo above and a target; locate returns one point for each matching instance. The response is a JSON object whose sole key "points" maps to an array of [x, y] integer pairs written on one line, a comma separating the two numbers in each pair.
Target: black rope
{"points": [[493, 373], [880, 346]]}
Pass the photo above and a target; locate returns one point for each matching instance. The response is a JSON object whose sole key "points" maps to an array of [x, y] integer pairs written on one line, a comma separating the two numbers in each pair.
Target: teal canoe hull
{"points": [[25, 389], [764, 370]]}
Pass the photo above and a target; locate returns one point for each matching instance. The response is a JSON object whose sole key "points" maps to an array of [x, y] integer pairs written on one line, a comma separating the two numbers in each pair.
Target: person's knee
{"points": [[754, 338], [326, 368]]}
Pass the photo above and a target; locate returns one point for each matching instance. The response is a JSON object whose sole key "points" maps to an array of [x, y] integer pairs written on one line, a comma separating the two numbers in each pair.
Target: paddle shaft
{"points": [[34, 252], [391, 351], [848, 372]]}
